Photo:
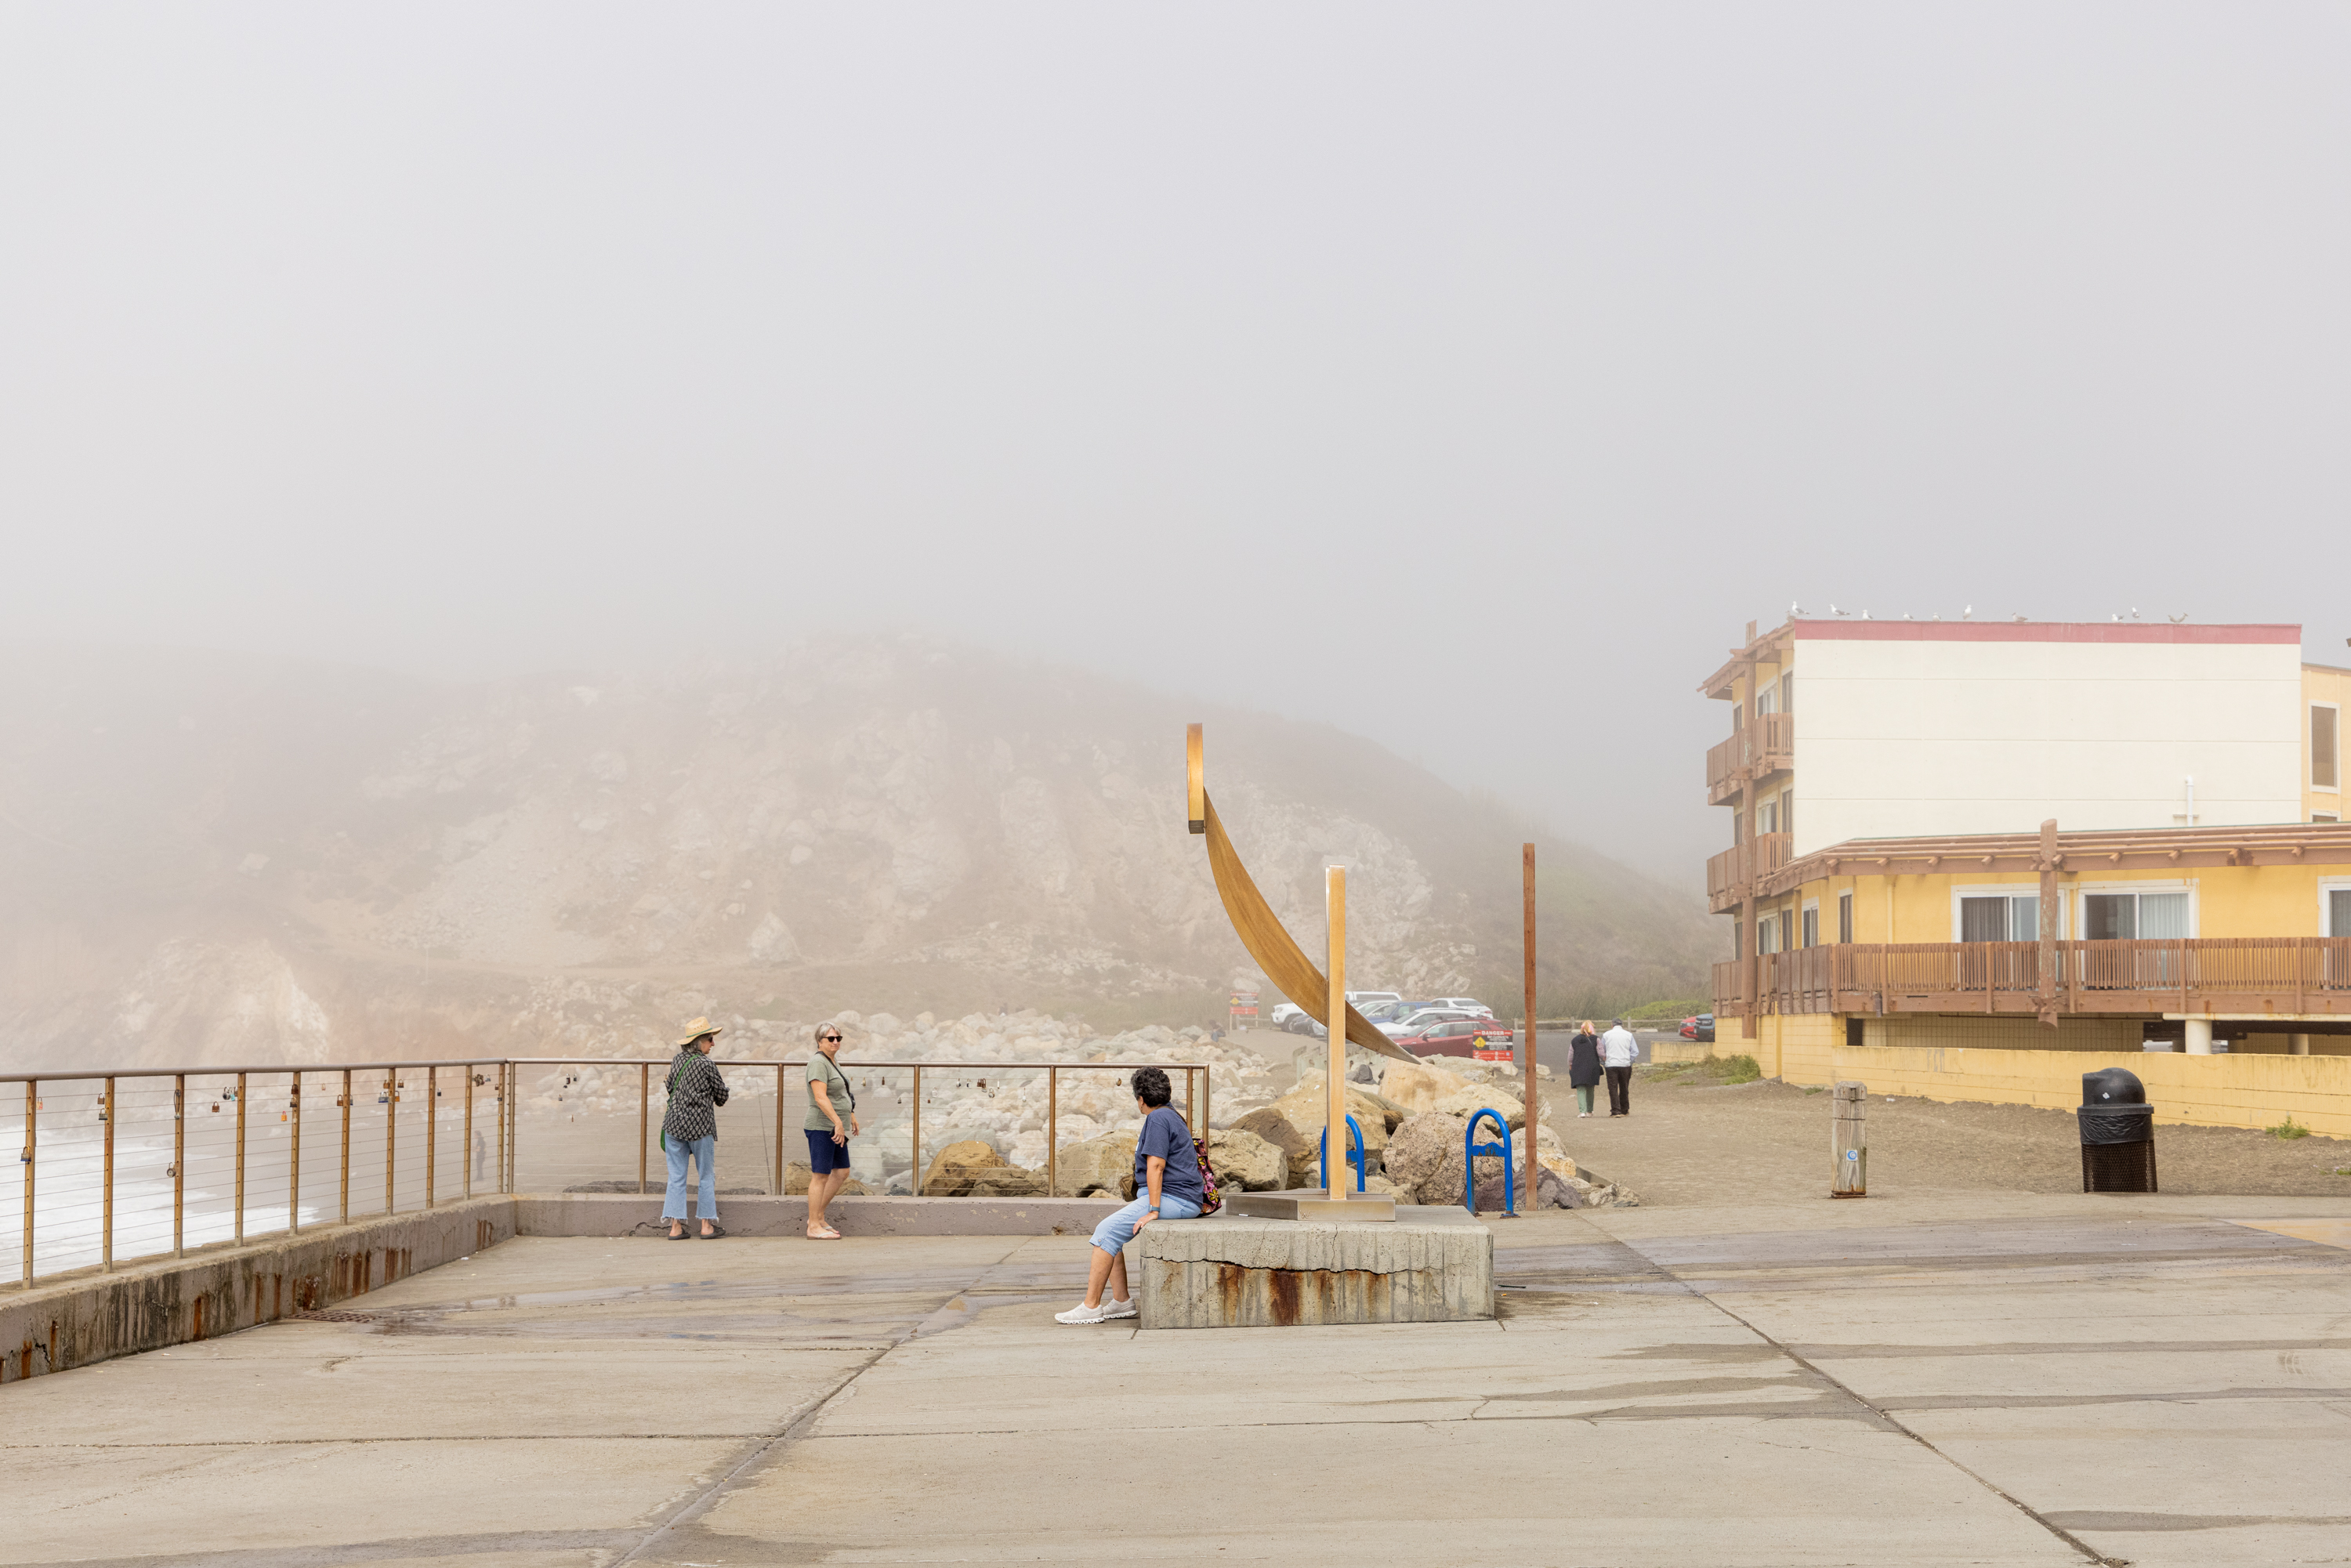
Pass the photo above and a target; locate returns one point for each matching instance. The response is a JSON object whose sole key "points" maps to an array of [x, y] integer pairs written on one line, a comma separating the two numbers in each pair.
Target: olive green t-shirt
{"points": [[822, 1068]]}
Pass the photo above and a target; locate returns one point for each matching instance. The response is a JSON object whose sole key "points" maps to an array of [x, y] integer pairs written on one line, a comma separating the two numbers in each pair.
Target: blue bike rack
{"points": [[1469, 1153], [1355, 1152]]}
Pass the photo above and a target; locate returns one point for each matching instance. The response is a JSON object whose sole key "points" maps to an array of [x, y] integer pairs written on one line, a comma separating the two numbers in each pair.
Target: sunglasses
{"points": [[828, 1039]]}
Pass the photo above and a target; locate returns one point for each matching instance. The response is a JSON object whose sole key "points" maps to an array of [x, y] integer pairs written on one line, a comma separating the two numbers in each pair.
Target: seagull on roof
{"points": [[1968, 613], [2134, 612]]}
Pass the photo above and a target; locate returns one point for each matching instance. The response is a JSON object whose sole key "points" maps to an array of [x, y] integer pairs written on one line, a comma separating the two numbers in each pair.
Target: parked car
{"points": [[1470, 1005], [1700, 1027], [1282, 1014], [1417, 1020], [1457, 1037], [1363, 1001]]}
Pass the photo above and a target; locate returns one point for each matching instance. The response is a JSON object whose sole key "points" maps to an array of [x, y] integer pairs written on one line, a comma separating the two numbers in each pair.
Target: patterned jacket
{"points": [[695, 1091]]}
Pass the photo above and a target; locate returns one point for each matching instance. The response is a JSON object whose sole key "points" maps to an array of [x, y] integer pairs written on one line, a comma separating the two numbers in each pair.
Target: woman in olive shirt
{"points": [[829, 1100]]}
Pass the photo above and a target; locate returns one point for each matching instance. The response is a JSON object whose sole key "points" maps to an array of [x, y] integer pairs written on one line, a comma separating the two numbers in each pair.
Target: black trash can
{"points": [[2118, 1133]]}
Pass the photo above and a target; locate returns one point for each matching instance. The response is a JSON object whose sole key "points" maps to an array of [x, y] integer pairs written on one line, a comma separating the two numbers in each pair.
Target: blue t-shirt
{"points": [[1165, 1135]]}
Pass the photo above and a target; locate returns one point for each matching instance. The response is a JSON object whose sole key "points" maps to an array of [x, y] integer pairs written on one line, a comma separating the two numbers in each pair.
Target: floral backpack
{"points": [[1210, 1199]]}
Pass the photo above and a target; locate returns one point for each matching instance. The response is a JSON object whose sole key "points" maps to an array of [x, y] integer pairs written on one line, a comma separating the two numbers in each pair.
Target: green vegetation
{"points": [[1676, 1010], [1740, 1068], [2289, 1128]]}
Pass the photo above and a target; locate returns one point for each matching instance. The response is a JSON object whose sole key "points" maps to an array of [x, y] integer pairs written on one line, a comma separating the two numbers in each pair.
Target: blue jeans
{"points": [[1112, 1234], [705, 1160]]}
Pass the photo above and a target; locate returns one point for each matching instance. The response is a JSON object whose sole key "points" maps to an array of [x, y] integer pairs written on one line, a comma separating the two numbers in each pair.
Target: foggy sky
{"points": [[1463, 376]]}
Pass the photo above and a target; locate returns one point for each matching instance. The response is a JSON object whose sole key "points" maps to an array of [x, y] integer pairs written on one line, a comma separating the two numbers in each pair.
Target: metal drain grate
{"points": [[337, 1318]]}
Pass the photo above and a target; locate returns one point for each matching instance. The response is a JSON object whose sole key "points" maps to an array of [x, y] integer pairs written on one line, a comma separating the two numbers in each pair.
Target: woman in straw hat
{"points": [[690, 1127]]}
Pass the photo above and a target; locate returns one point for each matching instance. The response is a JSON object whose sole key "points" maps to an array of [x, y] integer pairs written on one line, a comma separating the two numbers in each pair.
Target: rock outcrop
{"points": [[955, 1168], [1091, 1166], [1245, 1161]]}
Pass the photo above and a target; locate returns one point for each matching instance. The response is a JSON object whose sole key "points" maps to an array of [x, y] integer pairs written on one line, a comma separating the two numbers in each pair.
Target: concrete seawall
{"points": [[87, 1316]]}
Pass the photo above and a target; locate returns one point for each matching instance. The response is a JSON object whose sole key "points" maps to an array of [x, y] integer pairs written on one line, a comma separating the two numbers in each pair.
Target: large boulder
{"points": [[1551, 1191], [1104, 1165], [1302, 1108], [1417, 1086], [1472, 1098], [796, 1183], [1008, 1181], [1245, 1161], [1425, 1156], [954, 1168], [1297, 1148]]}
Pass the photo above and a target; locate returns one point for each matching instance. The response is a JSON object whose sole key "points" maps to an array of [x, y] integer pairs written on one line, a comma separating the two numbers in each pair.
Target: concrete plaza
{"points": [[1972, 1379]]}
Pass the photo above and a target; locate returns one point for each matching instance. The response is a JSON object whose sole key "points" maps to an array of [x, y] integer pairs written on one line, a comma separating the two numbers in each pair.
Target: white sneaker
{"points": [[1583, 1115], [1083, 1313], [1125, 1309]]}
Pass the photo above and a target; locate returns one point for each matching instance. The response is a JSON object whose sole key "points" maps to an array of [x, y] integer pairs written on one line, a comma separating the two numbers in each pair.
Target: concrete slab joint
{"points": [[1254, 1273]]}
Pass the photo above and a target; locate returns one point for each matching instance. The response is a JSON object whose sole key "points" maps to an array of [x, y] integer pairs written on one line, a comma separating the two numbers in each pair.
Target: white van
{"points": [[1359, 1000]]}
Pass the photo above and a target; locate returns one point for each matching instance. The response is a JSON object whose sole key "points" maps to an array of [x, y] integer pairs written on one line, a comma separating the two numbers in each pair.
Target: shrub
{"points": [[1742, 1069], [2289, 1128]]}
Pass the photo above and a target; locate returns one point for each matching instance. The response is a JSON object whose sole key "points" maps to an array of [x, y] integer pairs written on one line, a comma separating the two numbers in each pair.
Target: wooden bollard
{"points": [[1849, 1142]]}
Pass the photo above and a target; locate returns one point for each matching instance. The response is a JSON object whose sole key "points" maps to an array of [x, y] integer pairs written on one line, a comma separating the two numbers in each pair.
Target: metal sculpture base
{"points": [[1309, 1203]]}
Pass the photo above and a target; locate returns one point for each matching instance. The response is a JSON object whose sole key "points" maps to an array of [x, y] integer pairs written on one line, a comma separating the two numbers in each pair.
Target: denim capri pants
{"points": [[1112, 1234]]}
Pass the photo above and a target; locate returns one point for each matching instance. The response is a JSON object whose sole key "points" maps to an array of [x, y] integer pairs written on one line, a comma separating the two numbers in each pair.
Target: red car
{"points": [[1457, 1037]]}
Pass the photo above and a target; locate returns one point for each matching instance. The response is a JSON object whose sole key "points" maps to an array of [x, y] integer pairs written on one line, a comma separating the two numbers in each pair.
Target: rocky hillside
{"points": [[223, 859]]}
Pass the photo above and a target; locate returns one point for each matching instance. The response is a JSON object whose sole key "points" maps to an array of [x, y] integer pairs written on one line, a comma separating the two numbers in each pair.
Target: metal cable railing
{"points": [[127, 1166]]}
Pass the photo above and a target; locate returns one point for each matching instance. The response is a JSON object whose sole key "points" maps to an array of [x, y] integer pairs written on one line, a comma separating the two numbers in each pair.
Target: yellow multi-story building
{"points": [[2020, 838]]}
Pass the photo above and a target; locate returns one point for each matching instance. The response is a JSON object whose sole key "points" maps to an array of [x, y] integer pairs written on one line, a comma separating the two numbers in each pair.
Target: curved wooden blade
{"points": [[1292, 973]]}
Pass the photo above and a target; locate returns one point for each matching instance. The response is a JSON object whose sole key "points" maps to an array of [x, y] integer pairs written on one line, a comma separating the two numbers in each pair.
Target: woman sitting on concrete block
{"points": [[1167, 1186]]}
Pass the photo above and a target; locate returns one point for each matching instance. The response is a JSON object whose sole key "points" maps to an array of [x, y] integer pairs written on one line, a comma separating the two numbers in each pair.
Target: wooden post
{"points": [[179, 1165], [914, 1176], [432, 1127], [1534, 1104], [1849, 1142], [1335, 1112], [2048, 989], [1052, 1132]]}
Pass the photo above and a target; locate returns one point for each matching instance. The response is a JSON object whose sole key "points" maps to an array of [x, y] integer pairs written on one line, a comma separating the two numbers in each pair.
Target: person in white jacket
{"points": [[1618, 1051]]}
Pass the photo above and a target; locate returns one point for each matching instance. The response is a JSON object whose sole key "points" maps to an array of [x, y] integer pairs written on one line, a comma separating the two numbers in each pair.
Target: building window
{"points": [[1788, 811], [1767, 934], [1845, 916], [1813, 925], [1768, 699], [2325, 817], [1767, 817], [2136, 917], [2000, 917], [2326, 766], [1787, 694], [2334, 911]]}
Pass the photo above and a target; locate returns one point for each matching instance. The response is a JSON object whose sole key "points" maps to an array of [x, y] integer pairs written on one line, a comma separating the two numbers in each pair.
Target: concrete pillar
{"points": [[2199, 1036], [2298, 1045]]}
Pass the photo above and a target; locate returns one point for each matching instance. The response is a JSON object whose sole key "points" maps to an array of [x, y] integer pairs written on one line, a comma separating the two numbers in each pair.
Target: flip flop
{"points": [[681, 1235], [714, 1233], [827, 1234]]}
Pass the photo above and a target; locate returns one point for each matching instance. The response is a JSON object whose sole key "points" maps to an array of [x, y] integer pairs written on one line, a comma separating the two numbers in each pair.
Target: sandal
{"points": [[679, 1236], [827, 1234], [714, 1233]]}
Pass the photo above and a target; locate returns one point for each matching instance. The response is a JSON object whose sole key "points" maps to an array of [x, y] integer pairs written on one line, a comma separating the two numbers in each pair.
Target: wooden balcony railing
{"points": [[1767, 746], [1728, 873], [2288, 975]]}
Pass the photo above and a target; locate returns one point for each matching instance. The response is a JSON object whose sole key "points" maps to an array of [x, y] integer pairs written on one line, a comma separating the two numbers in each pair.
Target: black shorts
{"points": [[824, 1155]]}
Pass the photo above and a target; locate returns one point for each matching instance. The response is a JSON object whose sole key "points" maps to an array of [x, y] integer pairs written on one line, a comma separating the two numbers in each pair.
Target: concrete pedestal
{"points": [[1428, 1265]]}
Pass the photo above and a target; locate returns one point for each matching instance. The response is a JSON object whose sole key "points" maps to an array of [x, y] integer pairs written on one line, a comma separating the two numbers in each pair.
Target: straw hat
{"points": [[697, 1029]]}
